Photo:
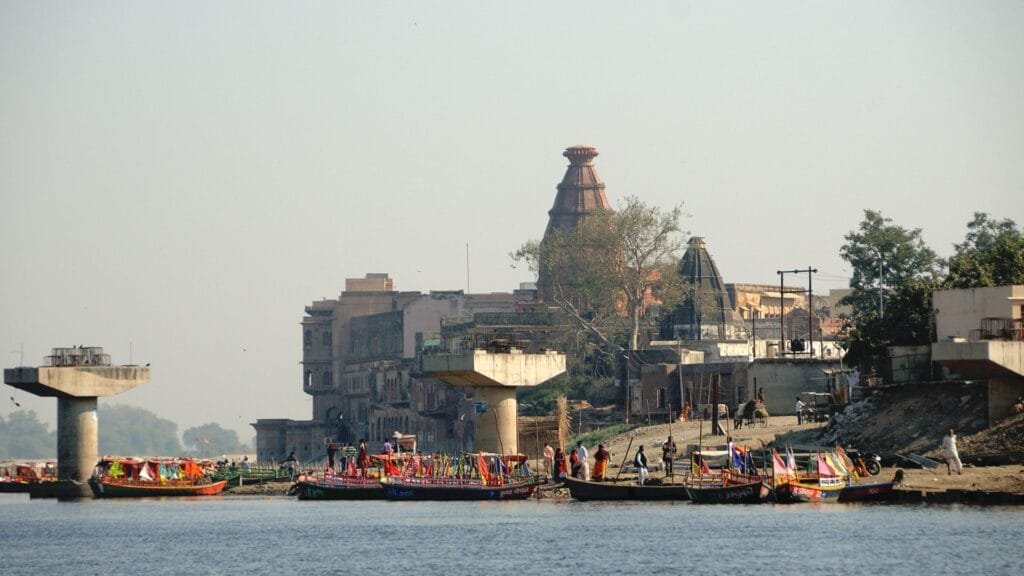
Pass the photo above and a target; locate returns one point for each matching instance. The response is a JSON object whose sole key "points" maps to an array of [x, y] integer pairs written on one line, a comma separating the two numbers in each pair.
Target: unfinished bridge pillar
{"points": [[494, 374], [76, 376]]}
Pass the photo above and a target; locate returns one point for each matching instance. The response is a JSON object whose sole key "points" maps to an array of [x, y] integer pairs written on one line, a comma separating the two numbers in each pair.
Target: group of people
{"points": [[577, 465]]}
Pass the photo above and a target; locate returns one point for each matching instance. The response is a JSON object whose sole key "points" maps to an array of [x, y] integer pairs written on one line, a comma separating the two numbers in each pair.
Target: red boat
{"points": [[121, 488], [135, 478]]}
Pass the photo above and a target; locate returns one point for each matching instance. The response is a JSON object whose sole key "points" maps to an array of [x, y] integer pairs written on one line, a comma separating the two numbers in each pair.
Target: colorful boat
{"points": [[25, 475], [807, 489], [128, 488], [137, 478], [479, 476]]}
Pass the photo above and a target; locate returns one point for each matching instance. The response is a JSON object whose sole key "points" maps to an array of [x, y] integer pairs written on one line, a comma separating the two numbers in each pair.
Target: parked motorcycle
{"points": [[866, 461]]}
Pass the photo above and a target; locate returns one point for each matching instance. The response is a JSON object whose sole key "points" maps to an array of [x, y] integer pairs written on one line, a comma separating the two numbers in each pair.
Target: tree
{"points": [[894, 273], [131, 431], [22, 435], [611, 267], [212, 439], [992, 254]]}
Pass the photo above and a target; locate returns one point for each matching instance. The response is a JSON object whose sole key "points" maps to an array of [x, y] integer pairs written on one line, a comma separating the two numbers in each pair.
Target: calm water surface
{"points": [[278, 535]]}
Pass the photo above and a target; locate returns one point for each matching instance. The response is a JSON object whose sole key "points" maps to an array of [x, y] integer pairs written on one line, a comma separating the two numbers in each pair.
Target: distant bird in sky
{"points": [[15, 402]]}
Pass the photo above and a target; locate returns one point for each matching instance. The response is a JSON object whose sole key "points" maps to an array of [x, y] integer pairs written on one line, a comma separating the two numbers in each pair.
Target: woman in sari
{"points": [[601, 458], [559, 463]]}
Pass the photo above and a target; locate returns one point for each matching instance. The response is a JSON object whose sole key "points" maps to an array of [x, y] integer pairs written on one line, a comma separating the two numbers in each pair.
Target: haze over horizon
{"points": [[177, 181]]}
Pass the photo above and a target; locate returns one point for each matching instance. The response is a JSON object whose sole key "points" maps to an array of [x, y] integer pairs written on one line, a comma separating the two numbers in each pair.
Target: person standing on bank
{"points": [[640, 461], [291, 462], [668, 455], [601, 458], [952, 455], [584, 458], [549, 459], [799, 411], [559, 461]]}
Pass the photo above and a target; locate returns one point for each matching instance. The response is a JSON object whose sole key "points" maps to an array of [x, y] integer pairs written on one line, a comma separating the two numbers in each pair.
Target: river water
{"points": [[279, 535]]}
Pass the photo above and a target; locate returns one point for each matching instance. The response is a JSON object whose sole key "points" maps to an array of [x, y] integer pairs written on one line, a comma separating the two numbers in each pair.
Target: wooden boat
{"points": [[427, 488], [137, 478], [331, 487], [128, 488], [867, 492], [591, 491], [24, 476], [732, 489]]}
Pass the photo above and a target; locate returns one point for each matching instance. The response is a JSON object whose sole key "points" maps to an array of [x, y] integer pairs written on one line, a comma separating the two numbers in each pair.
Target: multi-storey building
{"points": [[360, 365]]}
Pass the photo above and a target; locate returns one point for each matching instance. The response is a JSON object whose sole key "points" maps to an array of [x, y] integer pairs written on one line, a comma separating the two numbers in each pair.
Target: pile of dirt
{"points": [[1006, 436], [912, 418]]}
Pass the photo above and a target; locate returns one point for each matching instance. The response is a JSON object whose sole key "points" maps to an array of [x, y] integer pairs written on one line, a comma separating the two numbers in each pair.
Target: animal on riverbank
{"points": [[897, 480]]}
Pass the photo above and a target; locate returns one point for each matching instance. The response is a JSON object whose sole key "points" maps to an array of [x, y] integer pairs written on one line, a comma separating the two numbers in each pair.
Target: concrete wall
{"points": [[958, 312], [784, 379]]}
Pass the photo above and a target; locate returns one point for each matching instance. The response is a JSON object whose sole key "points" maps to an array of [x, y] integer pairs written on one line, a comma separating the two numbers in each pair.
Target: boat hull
{"points": [[595, 491], [431, 489], [339, 489], [746, 493], [806, 492], [867, 492], [115, 489], [14, 486]]}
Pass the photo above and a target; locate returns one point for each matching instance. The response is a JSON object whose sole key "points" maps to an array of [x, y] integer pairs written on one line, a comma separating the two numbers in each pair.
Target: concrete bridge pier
{"points": [[76, 376], [77, 438], [494, 374]]}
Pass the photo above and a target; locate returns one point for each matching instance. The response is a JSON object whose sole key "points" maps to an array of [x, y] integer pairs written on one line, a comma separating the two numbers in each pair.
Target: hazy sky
{"points": [[182, 178]]}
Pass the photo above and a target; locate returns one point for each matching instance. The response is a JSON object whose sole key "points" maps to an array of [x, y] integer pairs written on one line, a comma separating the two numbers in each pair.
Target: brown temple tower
{"points": [[581, 192]]}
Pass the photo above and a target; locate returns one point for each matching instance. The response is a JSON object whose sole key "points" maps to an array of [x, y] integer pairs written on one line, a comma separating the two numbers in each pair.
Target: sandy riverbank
{"points": [[1008, 478]]}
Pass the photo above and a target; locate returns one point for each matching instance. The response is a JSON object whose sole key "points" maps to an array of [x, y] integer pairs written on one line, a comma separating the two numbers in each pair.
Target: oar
{"points": [[626, 455]]}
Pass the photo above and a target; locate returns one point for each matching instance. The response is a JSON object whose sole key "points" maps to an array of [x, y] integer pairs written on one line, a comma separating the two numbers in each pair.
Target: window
{"points": [[326, 379], [307, 339], [325, 338]]}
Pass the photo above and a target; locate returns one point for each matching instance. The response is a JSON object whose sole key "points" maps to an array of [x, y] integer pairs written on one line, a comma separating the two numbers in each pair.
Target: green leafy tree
{"points": [[212, 439], [607, 271], [894, 273], [132, 431], [992, 254], [22, 435]]}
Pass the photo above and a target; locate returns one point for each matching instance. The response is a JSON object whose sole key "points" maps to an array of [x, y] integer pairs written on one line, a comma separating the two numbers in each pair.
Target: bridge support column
{"points": [[77, 438]]}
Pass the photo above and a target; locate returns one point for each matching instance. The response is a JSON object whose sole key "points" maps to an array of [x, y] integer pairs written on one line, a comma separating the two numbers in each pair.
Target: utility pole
{"points": [[881, 305], [810, 306]]}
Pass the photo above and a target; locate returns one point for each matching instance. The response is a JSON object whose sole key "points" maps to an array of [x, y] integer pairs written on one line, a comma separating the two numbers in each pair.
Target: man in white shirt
{"points": [[952, 455], [581, 453], [799, 411]]}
